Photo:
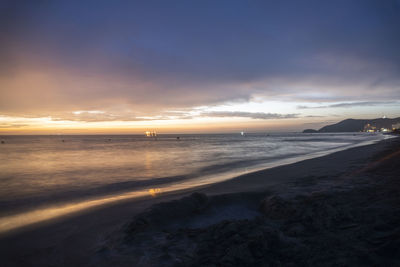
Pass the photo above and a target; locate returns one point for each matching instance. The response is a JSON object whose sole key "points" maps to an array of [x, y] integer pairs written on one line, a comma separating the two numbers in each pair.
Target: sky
{"points": [[116, 66]]}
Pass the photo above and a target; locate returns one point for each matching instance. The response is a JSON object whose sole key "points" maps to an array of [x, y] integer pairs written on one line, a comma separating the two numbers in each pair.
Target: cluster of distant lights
{"points": [[150, 133]]}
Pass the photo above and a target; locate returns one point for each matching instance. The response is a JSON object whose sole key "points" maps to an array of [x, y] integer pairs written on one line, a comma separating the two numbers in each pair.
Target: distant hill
{"points": [[310, 131], [354, 125]]}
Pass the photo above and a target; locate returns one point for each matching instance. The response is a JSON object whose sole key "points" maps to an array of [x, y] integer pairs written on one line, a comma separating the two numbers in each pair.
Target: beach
{"points": [[199, 133], [339, 209]]}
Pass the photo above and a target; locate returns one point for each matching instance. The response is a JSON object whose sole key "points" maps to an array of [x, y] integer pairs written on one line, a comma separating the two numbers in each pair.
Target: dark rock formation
{"points": [[275, 207], [165, 213]]}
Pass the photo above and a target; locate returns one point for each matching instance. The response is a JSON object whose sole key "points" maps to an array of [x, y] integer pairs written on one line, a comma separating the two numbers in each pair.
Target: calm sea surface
{"points": [[49, 170]]}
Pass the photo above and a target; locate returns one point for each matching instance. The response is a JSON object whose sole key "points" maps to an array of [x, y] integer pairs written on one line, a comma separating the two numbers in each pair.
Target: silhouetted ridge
{"points": [[349, 125], [357, 125]]}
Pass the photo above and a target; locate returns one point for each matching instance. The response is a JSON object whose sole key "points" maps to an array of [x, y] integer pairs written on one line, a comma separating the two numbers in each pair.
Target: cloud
{"points": [[150, 56], [101, 116], [12, 125], [124, 117], [351, 104], [251, 115]]}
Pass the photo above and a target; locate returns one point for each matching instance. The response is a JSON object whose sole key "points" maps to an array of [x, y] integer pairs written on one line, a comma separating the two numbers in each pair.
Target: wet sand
{"points": [[340, 209]]}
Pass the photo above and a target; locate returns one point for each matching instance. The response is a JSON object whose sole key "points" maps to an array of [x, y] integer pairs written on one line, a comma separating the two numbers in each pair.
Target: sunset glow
{"points": [[61, 75]]}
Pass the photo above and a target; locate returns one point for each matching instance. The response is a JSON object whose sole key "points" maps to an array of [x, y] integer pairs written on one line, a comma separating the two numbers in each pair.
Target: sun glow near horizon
{"points": [[249, 116], [200, 125]]}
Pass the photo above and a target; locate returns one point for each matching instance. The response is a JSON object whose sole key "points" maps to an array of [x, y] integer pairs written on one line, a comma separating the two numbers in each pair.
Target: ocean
{"points": [[49, 171]]}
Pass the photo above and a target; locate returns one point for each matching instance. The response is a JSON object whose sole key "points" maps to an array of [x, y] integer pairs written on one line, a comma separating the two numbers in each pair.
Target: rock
{"points": [[238, 255], [229, 230], [138, 225], [296, 230], [275, 207], [320, 214], [164, 214], [348, 226]]}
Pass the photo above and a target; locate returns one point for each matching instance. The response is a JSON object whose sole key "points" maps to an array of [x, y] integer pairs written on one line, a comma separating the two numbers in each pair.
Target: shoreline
{"points": [[42, 213], [90, 226]]}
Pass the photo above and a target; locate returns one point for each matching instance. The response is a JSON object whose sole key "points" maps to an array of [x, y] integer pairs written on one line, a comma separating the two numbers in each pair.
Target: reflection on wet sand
{"points": [[154, 191], [16, 221], [27, 218]]}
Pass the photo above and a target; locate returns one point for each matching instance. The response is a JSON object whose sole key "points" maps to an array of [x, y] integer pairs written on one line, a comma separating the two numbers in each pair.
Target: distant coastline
{"points": [[384, 125]]}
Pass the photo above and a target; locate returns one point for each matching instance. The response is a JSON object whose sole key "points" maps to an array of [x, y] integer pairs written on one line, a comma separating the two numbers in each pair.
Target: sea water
{"points": [[37, 171]]}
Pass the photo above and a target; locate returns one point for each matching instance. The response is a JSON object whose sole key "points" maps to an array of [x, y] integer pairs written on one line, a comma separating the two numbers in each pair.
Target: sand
{"points": [[341, 209]]}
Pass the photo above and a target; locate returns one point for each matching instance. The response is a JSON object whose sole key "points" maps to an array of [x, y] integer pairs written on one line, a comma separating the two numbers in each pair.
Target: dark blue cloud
{"points": [[200, 44], [353, 104]]}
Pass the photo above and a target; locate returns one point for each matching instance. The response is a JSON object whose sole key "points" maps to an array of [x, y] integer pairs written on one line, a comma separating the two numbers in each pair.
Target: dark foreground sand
{"points": [[338, 210]]}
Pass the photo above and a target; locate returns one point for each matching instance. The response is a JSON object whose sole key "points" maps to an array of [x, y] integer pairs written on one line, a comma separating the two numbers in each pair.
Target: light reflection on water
{"points": [[89, 171]]}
